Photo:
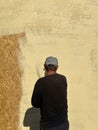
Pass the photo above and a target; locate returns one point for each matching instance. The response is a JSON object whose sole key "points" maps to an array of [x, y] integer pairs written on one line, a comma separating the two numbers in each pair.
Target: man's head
{"points": [[51, 64]]}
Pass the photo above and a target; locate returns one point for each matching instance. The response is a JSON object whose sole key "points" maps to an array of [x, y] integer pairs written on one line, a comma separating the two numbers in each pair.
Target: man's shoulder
{"points": [[61, 75], [51, 76], [40, 79]]}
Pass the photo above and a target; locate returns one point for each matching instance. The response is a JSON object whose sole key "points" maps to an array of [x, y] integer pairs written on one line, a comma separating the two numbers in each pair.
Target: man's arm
{"points": [[36, 98]]}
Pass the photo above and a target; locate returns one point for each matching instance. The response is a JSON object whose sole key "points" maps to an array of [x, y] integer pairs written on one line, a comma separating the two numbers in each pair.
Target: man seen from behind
{"points": [[50, 95]]}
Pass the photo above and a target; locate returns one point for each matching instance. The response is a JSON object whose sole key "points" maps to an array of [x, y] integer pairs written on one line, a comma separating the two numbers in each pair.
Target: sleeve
{"points": [[66, 85], [65, 81], [36, 96]]}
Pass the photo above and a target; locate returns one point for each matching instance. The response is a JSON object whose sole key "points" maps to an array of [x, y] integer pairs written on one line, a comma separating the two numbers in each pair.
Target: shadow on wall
{"points": [[32, 118]]}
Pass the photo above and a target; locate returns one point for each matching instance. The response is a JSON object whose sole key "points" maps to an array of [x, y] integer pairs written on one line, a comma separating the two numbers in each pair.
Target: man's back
{"points": [[53, 99]]}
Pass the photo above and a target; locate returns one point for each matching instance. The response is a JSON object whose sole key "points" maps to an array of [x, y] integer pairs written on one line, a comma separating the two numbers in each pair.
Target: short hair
{"points": [[50, 67]]}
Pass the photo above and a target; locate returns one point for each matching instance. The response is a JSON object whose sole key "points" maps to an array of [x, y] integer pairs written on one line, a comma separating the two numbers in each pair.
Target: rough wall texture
{"points": [[10, 83]]}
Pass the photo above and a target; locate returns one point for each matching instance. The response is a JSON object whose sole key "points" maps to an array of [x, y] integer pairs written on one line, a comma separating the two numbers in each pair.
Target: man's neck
{"points": [[50, 72]]}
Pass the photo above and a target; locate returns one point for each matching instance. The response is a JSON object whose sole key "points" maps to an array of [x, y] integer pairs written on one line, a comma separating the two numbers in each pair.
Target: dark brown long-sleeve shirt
{"points": [[50, 95]]}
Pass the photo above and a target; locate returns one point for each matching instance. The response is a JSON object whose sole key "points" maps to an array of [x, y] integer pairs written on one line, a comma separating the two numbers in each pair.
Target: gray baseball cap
{"points": [[51, 61]]}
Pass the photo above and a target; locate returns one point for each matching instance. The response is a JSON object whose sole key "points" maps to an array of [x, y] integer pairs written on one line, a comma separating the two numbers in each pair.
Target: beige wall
{"points": [[68, 30]]}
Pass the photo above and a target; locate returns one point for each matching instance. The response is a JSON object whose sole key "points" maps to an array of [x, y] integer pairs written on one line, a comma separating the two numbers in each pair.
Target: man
{"points": [[50, 95]]}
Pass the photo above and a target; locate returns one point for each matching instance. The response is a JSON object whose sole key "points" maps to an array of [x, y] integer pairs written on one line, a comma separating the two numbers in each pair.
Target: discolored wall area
{"points": [[10, 82]]}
